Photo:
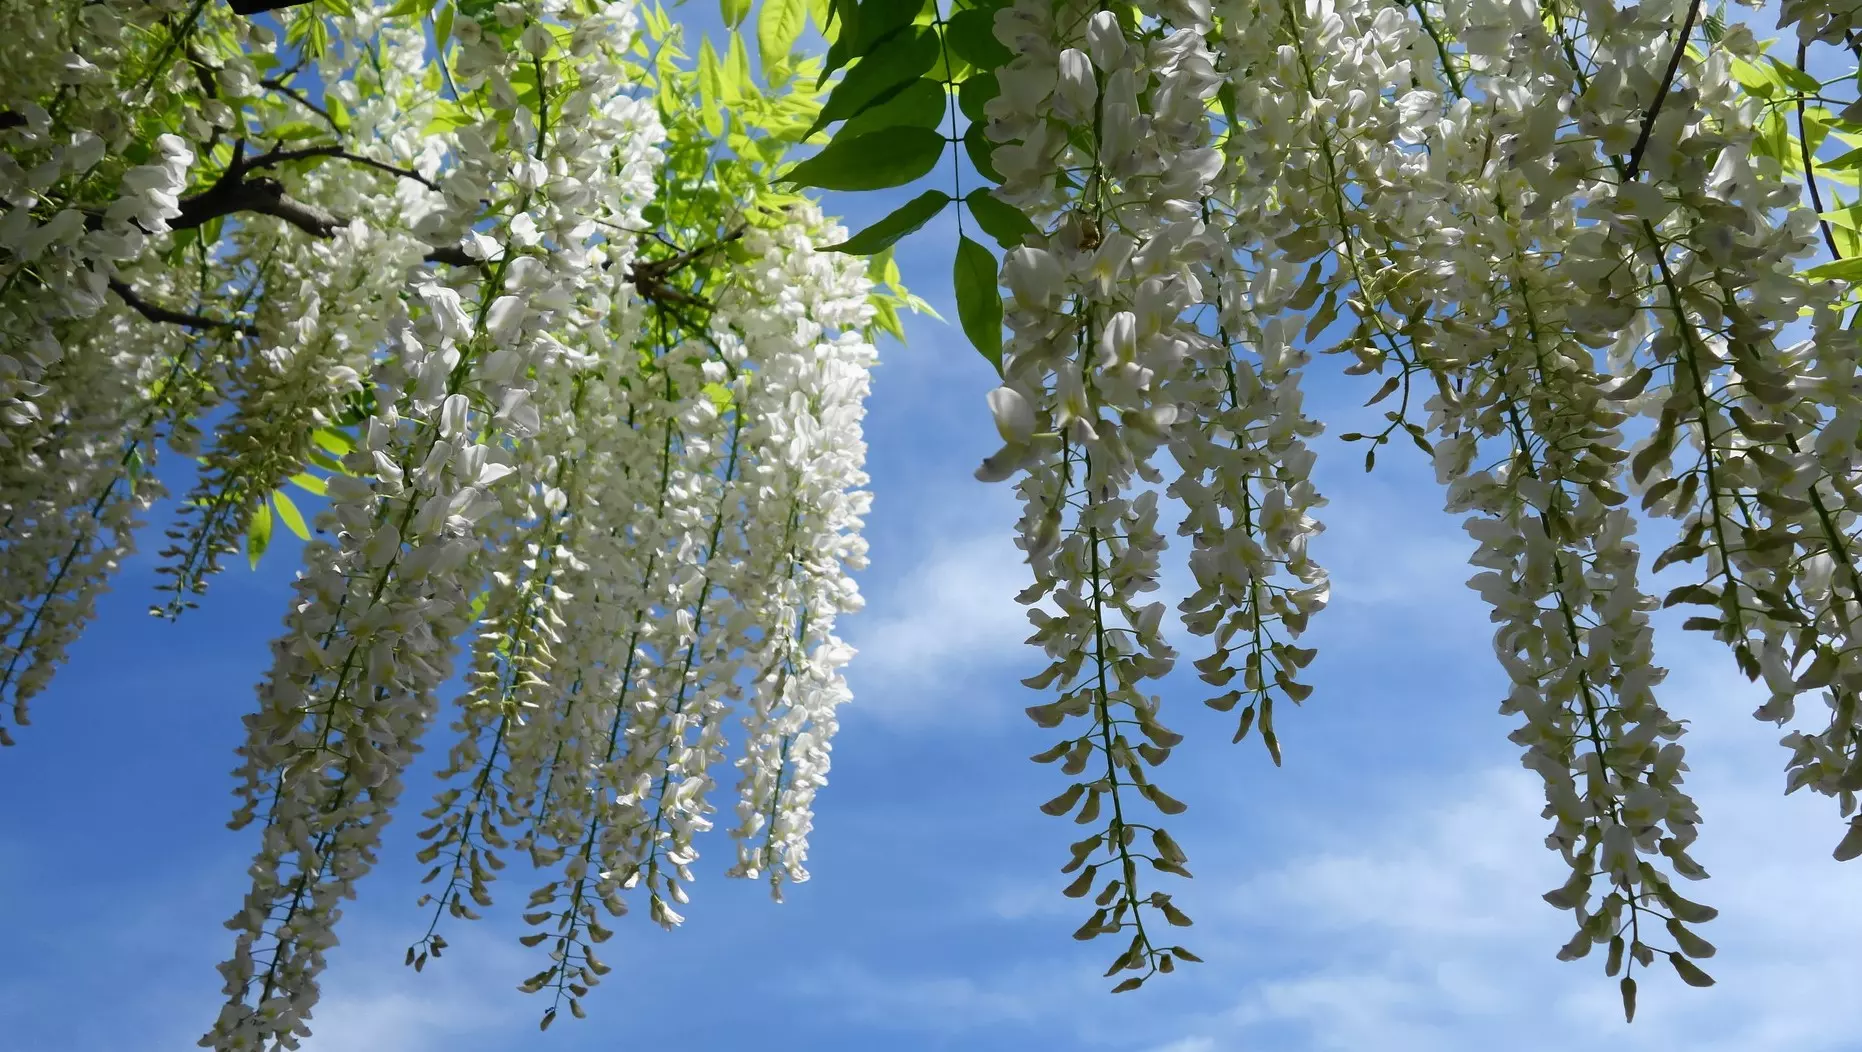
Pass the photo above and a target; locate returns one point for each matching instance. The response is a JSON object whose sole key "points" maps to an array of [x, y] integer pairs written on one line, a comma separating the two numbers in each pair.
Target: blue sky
{"points": [[1378, 893]]}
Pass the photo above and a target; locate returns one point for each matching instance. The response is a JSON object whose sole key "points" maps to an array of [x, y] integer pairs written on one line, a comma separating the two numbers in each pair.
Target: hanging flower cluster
{"points": [[572, 397], [577, 391], [1572, 240]]}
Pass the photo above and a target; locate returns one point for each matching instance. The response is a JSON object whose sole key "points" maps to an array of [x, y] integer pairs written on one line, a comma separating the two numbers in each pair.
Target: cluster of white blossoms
{"points": [[1108, 145], [583, 396], [75, 427], [1538, 222], [625, 476]]}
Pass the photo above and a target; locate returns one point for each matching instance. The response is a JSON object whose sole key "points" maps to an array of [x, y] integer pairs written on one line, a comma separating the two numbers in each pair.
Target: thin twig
{"points": [[277, 155], [168, 316], [1661, 94], [1810, 164], [298, 97]]}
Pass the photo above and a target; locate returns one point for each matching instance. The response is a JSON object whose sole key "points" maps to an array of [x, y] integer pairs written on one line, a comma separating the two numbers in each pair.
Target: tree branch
{"points": [[167, 316], [453, 255], [263, 195], [1634, 167], [259, 7], [298, 97], [277, 155]]}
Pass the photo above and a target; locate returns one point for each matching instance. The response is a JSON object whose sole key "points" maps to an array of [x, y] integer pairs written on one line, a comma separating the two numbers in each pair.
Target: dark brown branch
{"points": [[259, 7], [298, 97], [277, 155], [1634, 166], [650, 278], [1810, 163], [167, 316], [235, 192], [453, 255], [263, 195]]}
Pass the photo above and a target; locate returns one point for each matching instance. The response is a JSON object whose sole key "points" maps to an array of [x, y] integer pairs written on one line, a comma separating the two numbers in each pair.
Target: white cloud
{"points": [[923, 1003], [377, 1002], [1420, 927], [1188, 1044], [954, 613]]}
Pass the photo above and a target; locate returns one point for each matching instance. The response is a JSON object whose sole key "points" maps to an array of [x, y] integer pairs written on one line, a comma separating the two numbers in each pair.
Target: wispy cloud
{"points": [[950, 616], [933, 1002], [1418, 926]]}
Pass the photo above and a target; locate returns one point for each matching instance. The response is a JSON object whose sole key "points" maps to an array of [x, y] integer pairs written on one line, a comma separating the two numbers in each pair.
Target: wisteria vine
{"points": [[521, 299]]}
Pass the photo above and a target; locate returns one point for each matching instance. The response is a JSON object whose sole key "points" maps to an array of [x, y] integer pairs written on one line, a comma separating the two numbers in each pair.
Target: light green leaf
{"points": [[443, 28], [295, 130], [310, 484], [739, 81], [875, 161], [1004, 222], [735, 11], [334, 441], [1792, 77], [1840, 270], [258, 534], [289, 515], [979, 299], [720, 396], [905, 219], [821, 13], [778, 27], [710, 88]]}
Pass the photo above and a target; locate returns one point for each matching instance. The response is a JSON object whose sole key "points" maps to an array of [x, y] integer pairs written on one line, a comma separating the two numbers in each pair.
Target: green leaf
{"points": [[1004, 222], [443, 28], [866, 27], [875, 161], [979, 299], [735, 11], [821, 13], [1845, 162], [976, 90], [778, 27], [908, 217], [972, 37], [334, 441], [295, 130], [710, 89], [289, 515], [1792, 77], [258, 534], [720, 396], [978, 146], [920, 105], [739, 83], [879, 76], [1840, 270], [310, 484]]}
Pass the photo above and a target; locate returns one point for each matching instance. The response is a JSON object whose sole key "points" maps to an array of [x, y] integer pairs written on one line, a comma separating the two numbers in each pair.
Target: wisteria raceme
{"points": [[575, 384], [1102, 353], [1539, 222]]}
